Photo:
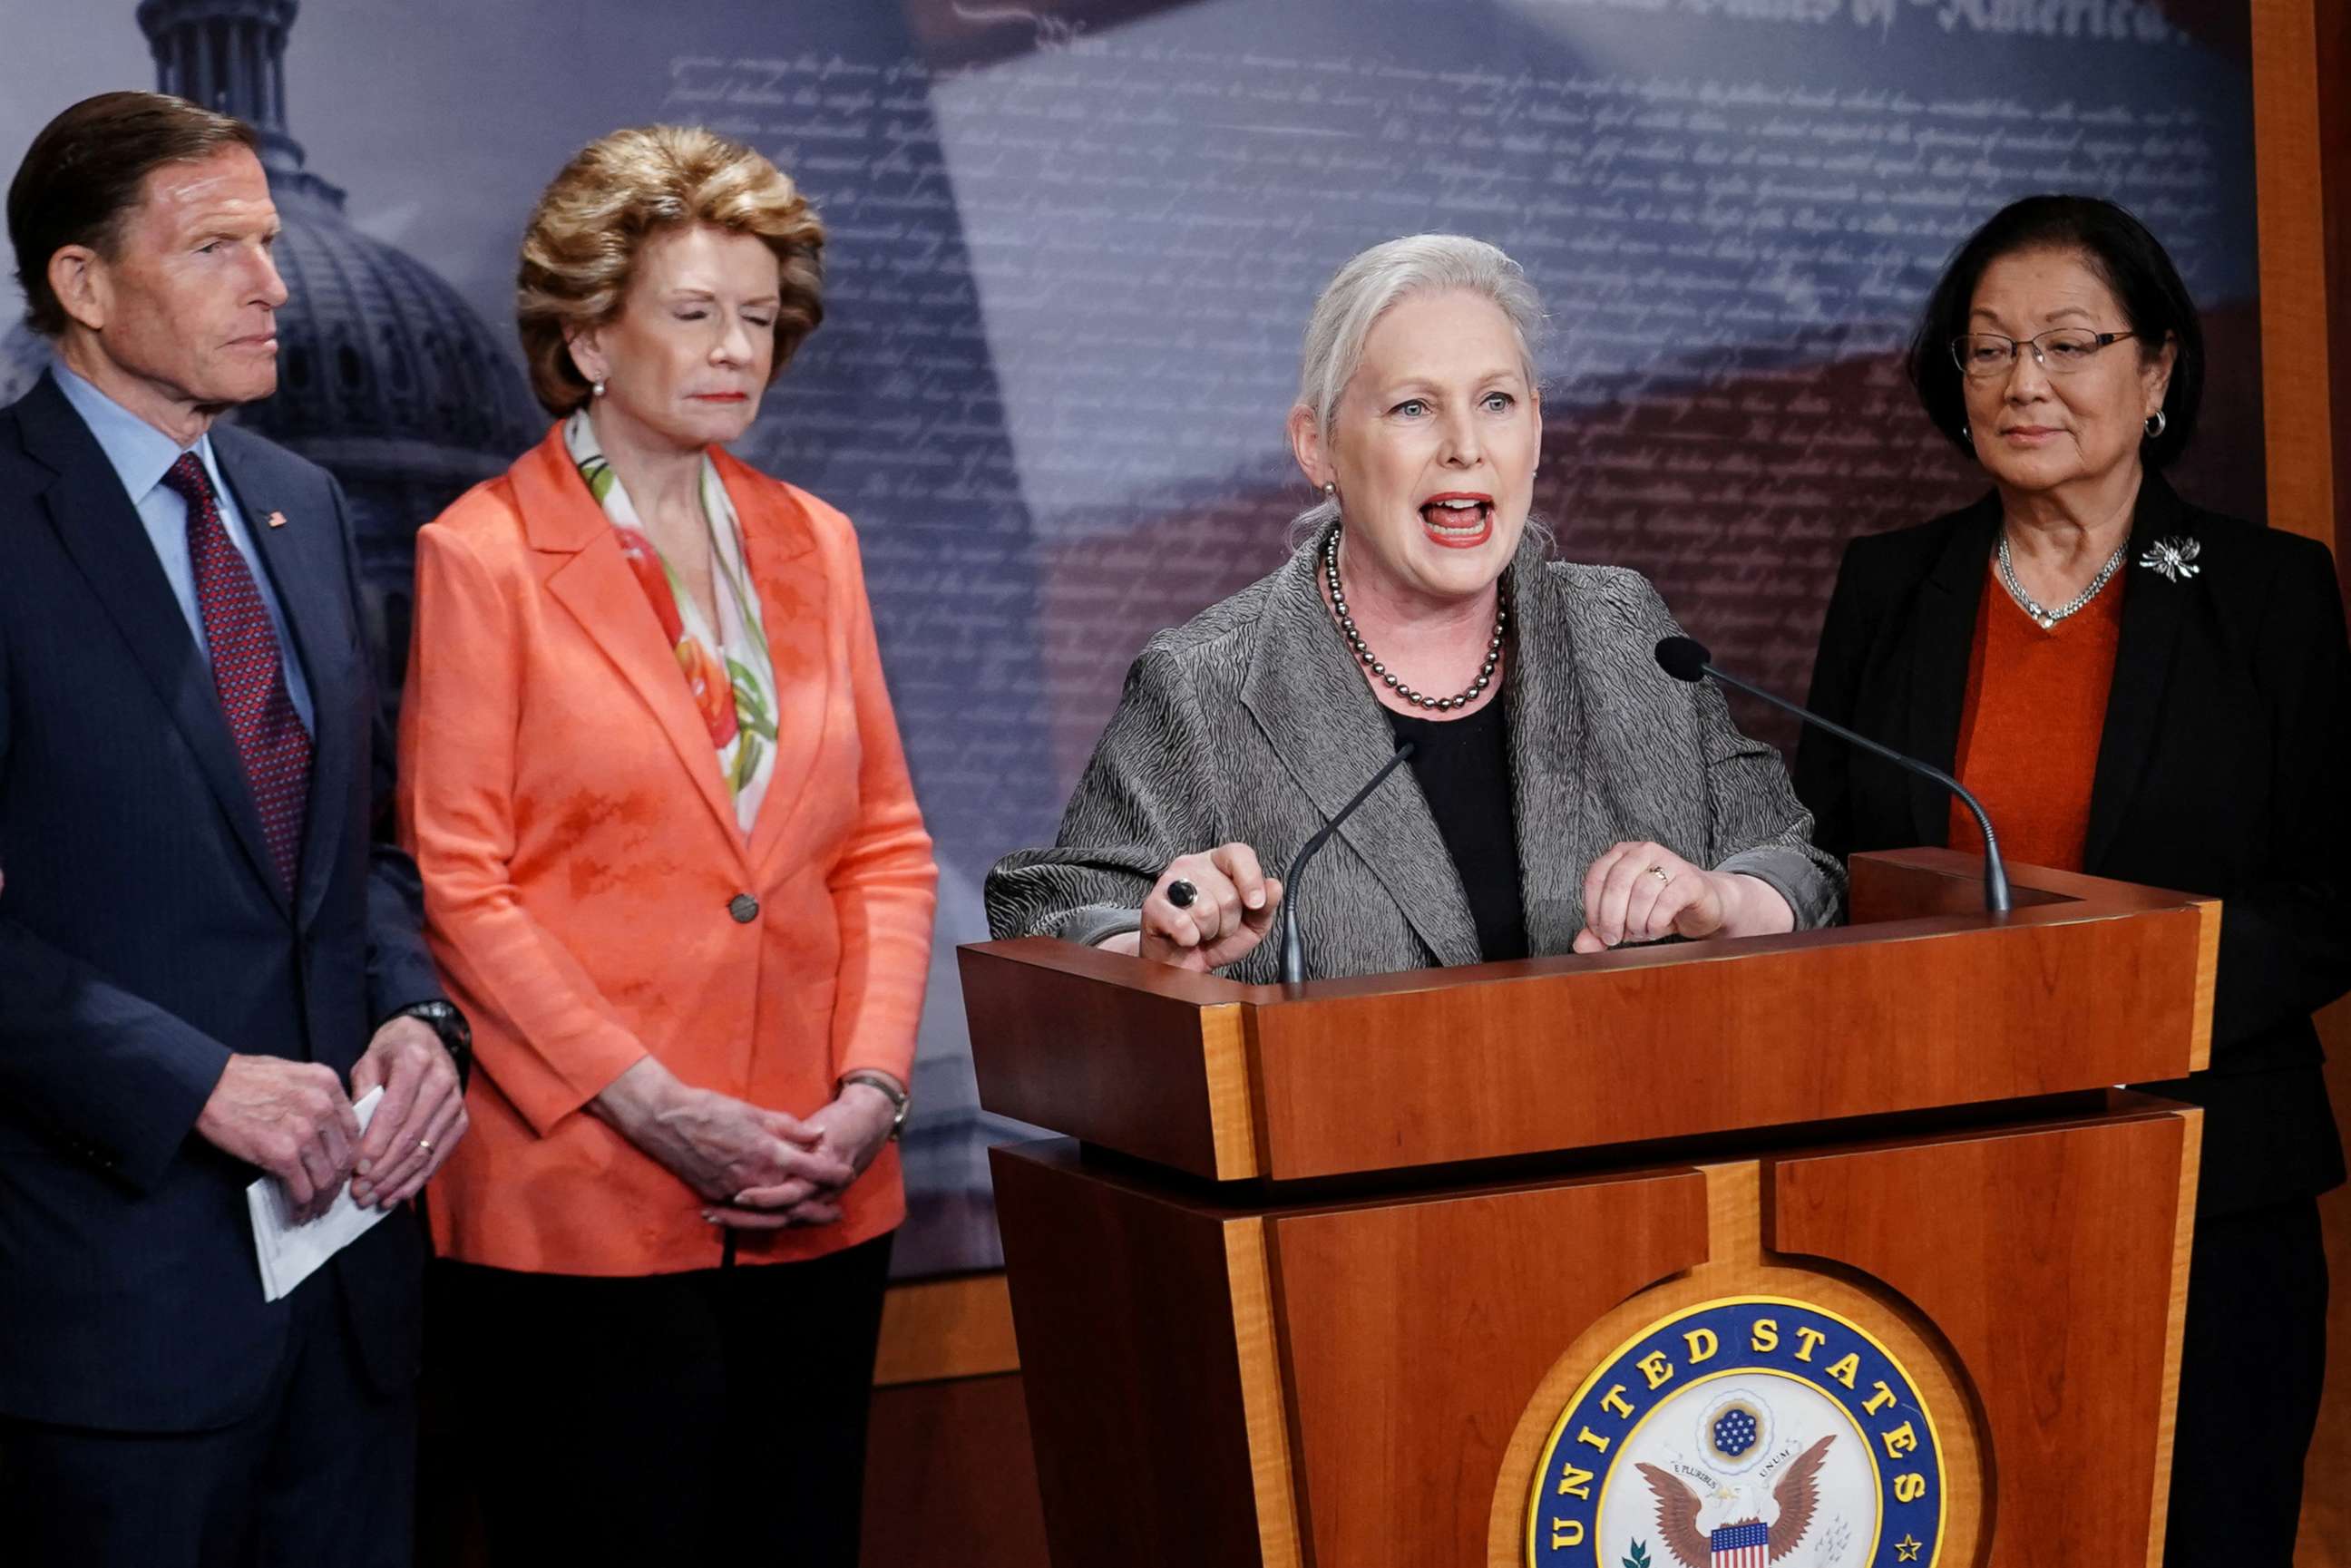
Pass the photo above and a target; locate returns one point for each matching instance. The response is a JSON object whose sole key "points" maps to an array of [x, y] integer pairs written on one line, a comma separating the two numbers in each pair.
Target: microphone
{"points": [[1685, 659], [1294, 954]]}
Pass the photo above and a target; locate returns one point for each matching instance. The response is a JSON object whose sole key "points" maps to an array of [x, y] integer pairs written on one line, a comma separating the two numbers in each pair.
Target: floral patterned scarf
{"points": [[727, 666]]}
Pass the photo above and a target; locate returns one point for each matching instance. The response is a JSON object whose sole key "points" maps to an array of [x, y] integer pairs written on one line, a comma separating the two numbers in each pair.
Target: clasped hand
{"points": [[755, 1169]]}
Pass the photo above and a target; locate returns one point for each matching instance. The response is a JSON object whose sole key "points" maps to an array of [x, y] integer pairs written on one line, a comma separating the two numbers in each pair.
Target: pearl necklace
{"points": [[2047, 619], [1363, 655]]}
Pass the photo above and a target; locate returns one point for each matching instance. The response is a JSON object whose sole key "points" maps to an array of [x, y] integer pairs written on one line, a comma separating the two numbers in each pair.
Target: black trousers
{"points": [[666, 1418], [323, 1472], [2252, 1363]]}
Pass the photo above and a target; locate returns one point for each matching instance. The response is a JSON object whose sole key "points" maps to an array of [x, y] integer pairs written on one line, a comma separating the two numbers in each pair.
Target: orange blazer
{"points": [[588, 896]]}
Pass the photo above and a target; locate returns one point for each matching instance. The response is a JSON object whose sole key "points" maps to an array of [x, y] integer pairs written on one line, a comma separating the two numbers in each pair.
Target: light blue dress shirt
{"points": [[141, 455]]}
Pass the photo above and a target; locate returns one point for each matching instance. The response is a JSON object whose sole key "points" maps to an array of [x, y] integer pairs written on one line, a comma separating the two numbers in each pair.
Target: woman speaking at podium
{"points": [[2139, 689], [1564, 792]]}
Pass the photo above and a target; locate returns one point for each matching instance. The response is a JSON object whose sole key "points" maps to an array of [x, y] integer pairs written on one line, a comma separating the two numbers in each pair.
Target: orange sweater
{"points": [[584, 873], [2029, 733]]}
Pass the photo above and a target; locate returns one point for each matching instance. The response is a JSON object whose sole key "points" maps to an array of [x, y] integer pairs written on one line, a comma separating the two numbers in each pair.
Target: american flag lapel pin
{"points": [[277, 519]]}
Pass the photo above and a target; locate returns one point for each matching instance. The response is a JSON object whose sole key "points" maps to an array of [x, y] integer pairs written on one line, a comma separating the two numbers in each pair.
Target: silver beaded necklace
{"points": [[2047, 619], [1364, 655]]}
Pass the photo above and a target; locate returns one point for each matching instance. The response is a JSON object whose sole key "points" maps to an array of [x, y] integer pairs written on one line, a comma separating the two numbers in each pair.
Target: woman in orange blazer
{"points": [[675, 876]]}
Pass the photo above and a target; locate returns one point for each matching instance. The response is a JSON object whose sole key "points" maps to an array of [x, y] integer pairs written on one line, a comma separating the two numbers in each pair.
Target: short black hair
{"points": [[86, 171], [2128, 259]]}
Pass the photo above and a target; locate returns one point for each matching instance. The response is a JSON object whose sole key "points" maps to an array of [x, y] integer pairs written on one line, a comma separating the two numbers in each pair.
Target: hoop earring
{"points": [[1968, 435], [2157, 424]]}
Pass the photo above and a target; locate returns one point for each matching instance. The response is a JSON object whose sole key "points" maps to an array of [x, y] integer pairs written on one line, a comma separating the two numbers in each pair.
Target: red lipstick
{"points": [[1459, 519]]}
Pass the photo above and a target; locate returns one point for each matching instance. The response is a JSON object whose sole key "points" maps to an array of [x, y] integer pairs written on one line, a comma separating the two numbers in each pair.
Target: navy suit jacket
{"points": [[144, 937]]}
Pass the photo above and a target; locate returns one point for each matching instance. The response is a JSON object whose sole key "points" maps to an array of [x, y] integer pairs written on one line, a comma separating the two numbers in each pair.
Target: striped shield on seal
{"points": [[1739, 1545]]}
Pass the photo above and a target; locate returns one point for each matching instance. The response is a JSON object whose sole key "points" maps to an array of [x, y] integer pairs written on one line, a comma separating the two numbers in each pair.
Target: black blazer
{"points": [[143, 937], [2221, 771]]}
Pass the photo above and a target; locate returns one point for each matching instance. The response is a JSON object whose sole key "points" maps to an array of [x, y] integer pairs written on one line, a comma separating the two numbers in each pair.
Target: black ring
{"points": [[1181, 893]]}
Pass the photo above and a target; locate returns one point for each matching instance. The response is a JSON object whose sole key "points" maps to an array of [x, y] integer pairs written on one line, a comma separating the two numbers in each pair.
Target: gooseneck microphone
{"points": [[1294, 954], [1685, 659]]}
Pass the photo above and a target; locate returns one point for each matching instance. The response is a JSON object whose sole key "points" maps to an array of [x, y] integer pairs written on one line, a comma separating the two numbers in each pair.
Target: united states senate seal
{"points": [[1745, 1433]]}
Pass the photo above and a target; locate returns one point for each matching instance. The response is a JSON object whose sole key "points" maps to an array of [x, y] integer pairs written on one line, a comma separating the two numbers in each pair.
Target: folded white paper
{"points": [[291, 1253]]}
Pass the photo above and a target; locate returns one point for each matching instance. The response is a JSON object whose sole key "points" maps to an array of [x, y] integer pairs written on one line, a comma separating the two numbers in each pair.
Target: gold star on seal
{"points": [[1909, 1547]]}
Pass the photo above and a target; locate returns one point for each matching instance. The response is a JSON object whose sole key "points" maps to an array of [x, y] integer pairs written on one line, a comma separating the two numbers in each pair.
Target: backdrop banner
{"points": [[1071, 251]]}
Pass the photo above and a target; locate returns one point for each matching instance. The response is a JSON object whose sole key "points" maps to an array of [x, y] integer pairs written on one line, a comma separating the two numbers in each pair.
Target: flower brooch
{"points": [[2173, 558]]}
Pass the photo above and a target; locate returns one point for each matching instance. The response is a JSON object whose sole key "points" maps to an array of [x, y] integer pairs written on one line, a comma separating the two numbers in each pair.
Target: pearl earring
{"points": [[1330, 489], [597, 390]]}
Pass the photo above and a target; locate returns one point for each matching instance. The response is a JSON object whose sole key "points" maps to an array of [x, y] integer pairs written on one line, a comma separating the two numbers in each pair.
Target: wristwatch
{"points": [[456, 1034], [899, 1099]]}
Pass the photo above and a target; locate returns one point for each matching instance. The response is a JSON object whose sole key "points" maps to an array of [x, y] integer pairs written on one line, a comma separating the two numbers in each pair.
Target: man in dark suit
{"points": [[208, 947]]}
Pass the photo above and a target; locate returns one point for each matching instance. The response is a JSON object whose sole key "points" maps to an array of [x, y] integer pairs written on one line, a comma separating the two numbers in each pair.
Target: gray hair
{"points": [[1365, 289]]}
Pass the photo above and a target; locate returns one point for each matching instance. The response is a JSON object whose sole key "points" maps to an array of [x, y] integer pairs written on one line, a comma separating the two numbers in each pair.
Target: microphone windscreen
{"points": [[1684, 658]]}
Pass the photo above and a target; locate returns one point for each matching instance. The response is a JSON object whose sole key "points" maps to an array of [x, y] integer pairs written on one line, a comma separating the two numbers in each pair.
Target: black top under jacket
{"points": [[1463, 766]]}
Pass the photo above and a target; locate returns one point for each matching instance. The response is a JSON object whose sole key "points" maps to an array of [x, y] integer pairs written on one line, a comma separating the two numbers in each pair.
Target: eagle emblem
{"points": [[2173, 558], [1755, 1425], [1743, 1538]]}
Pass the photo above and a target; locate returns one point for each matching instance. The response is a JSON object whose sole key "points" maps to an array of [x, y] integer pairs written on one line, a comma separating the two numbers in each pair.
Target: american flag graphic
{"points": [[1739, 1545]]}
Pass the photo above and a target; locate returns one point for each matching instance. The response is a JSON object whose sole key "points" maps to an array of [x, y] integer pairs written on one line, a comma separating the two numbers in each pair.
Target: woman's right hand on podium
{"points": [[1232, 908]]}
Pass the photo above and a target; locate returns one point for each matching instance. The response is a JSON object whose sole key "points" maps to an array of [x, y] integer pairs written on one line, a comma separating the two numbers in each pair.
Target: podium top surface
{"points": [[1923, 1001]]}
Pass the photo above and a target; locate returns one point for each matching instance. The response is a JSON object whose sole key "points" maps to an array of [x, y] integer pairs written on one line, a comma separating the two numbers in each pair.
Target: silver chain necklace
{"points": [[2047, 619], [1354, 639]]}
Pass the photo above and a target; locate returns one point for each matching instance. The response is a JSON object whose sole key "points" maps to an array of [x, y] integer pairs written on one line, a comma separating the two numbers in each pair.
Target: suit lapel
{"points": [[304, 560], [2154, 611], [101, 529], [778, 547], [1332, 735], [1549, 784], [592, 581], [1945, 639]]}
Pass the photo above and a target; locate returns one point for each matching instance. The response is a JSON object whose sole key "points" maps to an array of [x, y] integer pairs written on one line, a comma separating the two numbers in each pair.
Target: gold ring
{"points": [[1664, 878]]}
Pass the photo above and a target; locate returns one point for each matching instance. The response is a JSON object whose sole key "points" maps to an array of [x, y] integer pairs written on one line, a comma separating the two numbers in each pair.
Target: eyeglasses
{"points": [[1984, 355]]}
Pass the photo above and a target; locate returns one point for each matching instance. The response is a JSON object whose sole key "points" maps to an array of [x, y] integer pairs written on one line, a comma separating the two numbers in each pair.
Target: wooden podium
{"points": [[1364, 1273]]}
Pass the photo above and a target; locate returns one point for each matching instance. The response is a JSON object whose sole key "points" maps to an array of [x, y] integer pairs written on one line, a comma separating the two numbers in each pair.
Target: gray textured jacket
{"points": [[1251, 723]]}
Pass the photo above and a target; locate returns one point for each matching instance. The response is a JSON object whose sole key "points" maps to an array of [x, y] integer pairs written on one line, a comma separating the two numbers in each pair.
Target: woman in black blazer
{"points": [[2062, 351]]}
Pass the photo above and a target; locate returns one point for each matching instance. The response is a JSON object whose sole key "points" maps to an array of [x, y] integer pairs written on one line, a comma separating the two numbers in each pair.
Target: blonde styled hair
{"points": [[585, 234]]}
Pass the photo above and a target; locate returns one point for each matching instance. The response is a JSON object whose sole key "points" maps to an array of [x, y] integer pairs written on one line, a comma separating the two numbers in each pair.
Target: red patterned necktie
{"points": [[247, 671]]}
